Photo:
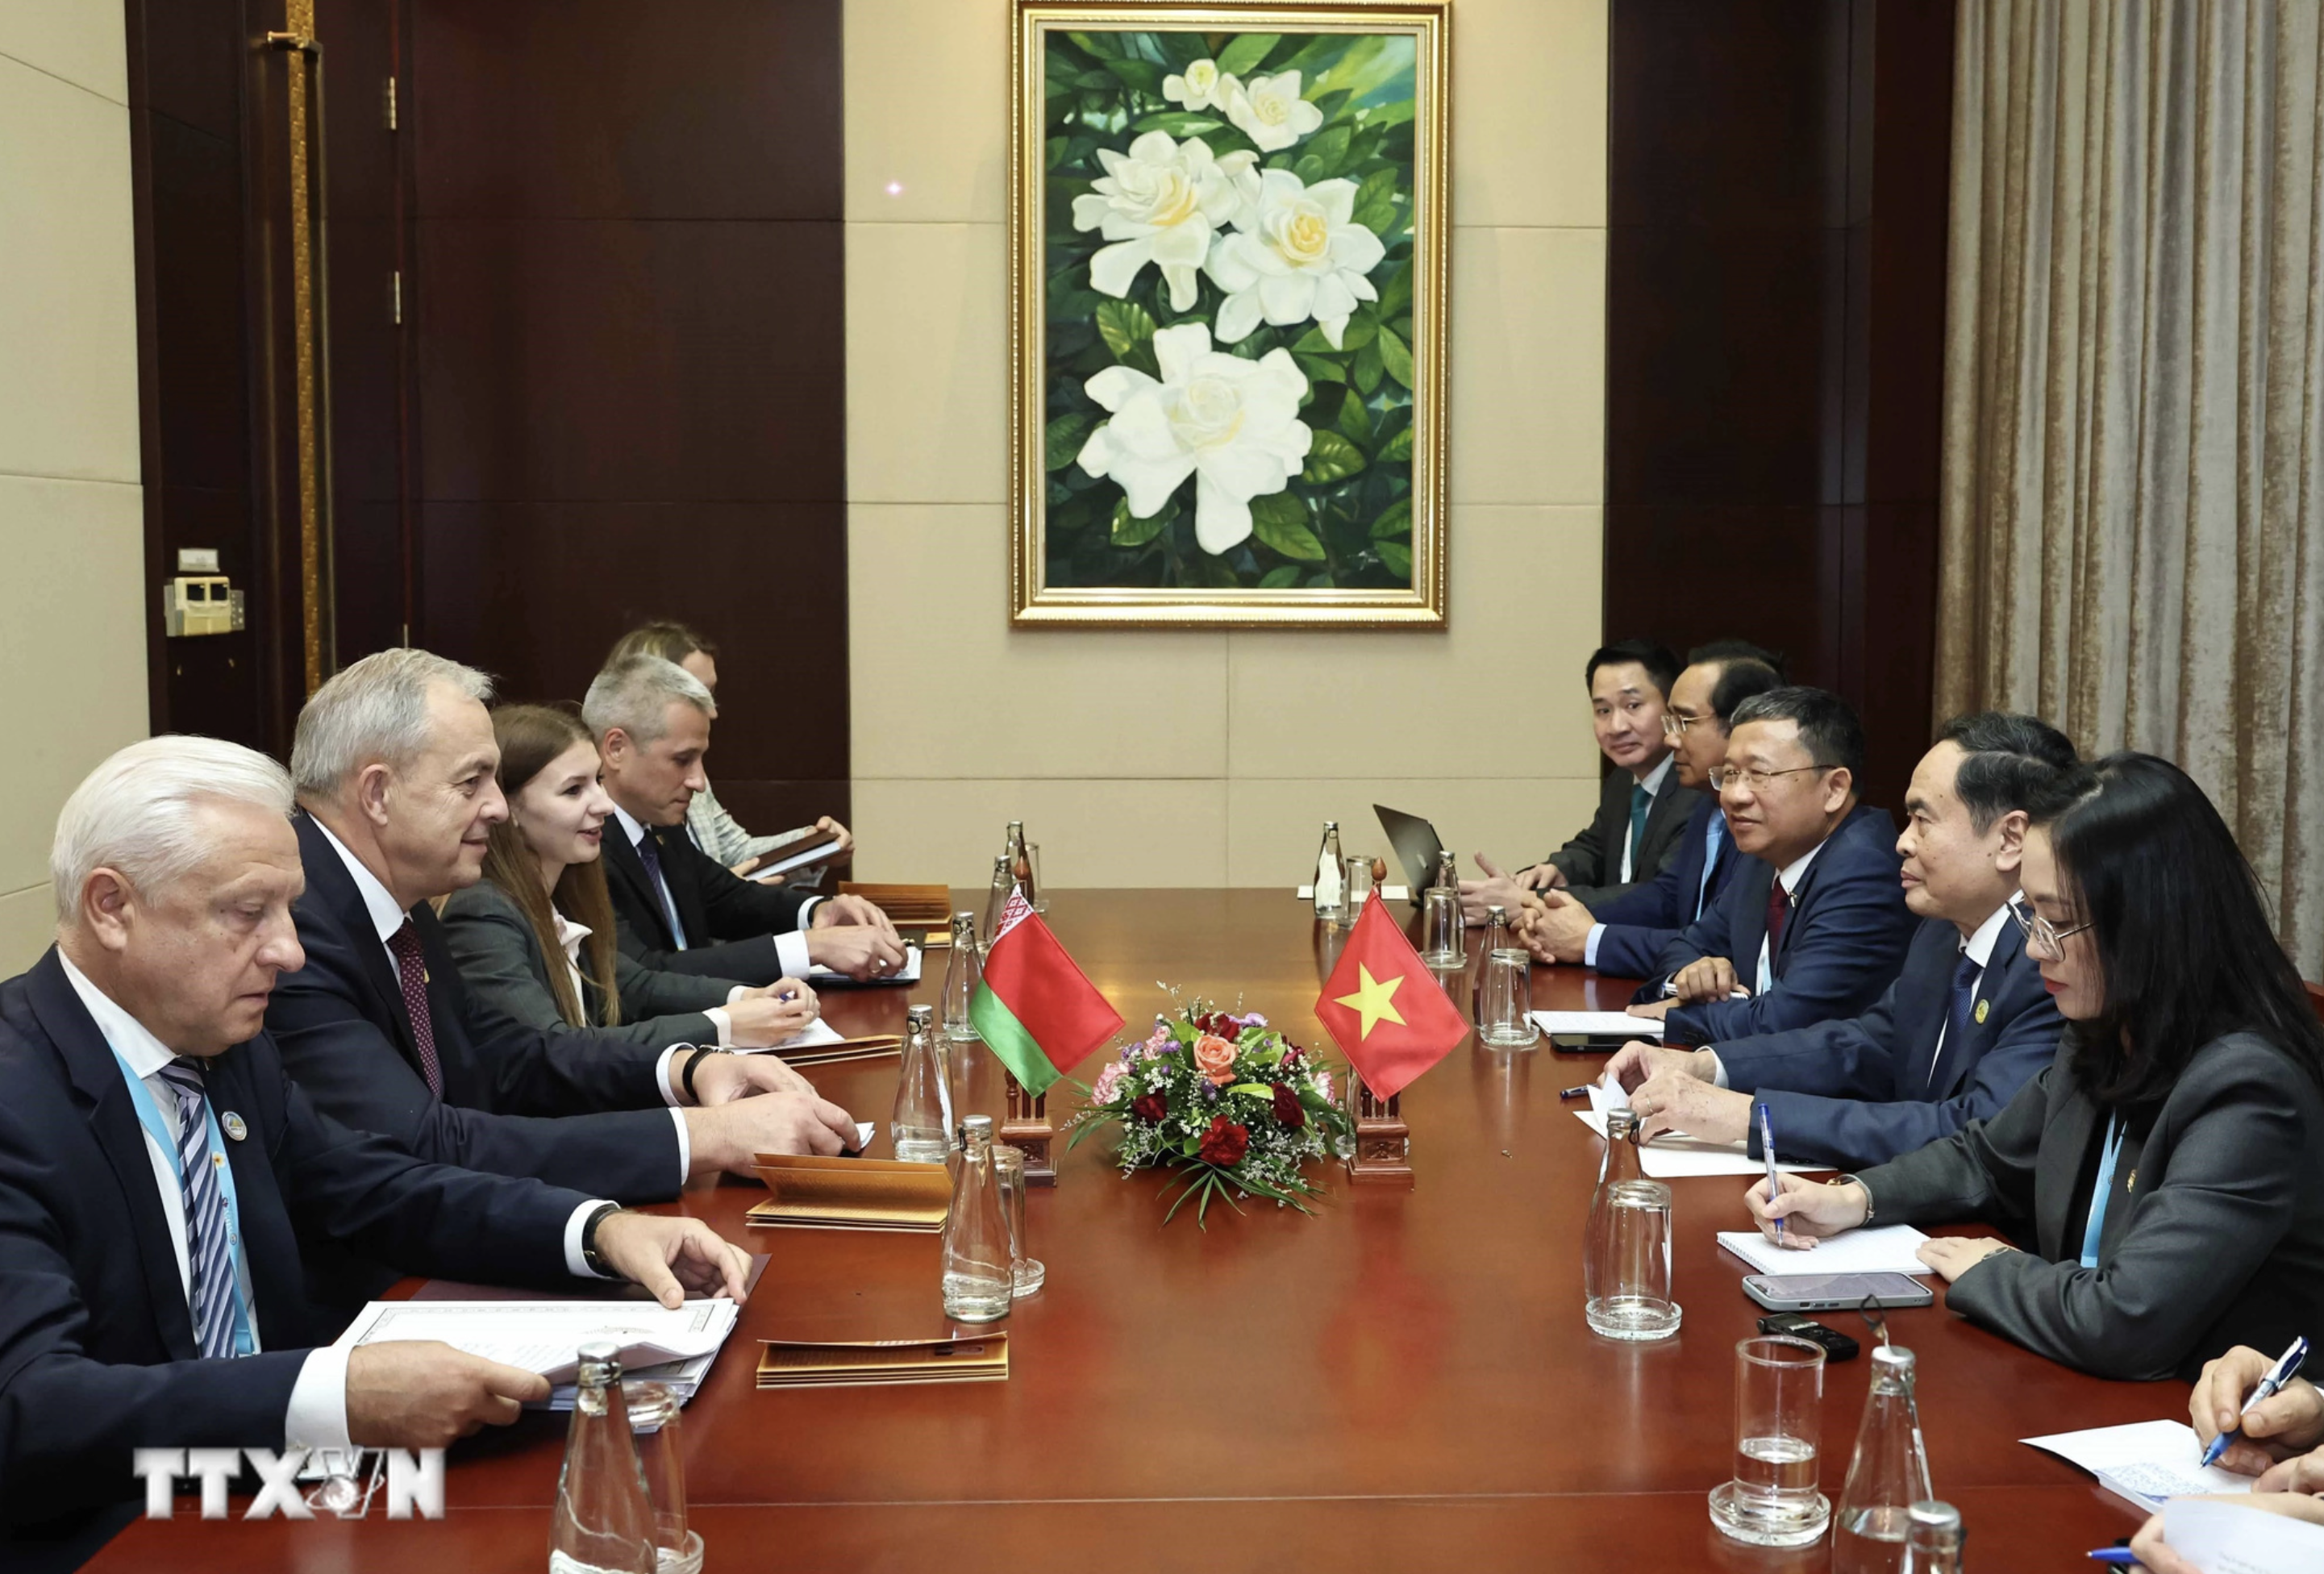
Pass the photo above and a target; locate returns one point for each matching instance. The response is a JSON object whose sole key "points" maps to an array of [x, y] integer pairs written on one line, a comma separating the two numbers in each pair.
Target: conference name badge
{"points": [[1982, 1007], [234, 1125]]}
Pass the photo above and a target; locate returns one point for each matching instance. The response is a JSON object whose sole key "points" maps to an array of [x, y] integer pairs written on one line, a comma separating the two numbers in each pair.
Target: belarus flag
{"points": [[1035, 1009], [1391, 1017]]}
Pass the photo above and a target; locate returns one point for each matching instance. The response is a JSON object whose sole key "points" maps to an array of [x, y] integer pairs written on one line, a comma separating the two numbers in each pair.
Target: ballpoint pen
{"points": [[1767, 1152], [2277, 1377], [1579, 1090], [2118, 1555]]}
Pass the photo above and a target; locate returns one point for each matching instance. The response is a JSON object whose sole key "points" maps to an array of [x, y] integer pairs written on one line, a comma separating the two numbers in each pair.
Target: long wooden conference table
{"points": [[1403, 1382]]}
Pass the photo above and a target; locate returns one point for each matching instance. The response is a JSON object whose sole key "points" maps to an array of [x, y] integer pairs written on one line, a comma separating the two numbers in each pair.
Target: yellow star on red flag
{"points": [[1374, 1001], [1389, 1033]]}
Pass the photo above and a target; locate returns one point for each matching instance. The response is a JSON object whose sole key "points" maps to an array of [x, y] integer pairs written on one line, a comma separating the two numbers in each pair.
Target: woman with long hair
{"points": [[534, 938], [2161, 1173]]}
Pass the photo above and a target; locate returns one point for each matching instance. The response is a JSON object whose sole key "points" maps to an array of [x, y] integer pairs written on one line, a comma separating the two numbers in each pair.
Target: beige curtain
{"points": [[2134, 465]]}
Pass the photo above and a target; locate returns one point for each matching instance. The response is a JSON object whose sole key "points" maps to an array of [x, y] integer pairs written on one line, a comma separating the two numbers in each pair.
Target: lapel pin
{"points": [[1982, 1007], [234, 1127]]}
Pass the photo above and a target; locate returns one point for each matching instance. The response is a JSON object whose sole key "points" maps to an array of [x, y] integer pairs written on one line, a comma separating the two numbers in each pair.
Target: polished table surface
{"points": [[1404, 1381]]}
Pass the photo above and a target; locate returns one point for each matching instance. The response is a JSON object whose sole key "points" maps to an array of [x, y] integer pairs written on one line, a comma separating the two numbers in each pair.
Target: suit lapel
{"points": [[330, 886], [1985, 1019], [2057, 1166], [622, 858], [1668, 817], [1749, 891]]}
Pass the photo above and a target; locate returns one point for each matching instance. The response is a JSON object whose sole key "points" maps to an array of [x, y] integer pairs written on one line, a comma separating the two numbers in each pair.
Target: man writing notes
{"points": [[1964, 1027], [159, 1171], [1641, 811], [680, 909], [1624, 936], [1818, 927]]}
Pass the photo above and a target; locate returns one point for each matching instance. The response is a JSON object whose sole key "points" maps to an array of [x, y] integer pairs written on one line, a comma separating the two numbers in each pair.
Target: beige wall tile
{"points": [[943, 686], [1528, 365], [1273, 827], [67, 292], [28, 923], [1529, 113], [74, 650], [81, 41], [927, 363], [926, 110], [1492, 692], [1091, 833]]}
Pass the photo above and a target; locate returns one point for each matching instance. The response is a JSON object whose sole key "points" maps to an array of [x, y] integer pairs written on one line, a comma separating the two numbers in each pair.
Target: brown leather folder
{"points": [[906, 906], [851, 1363], [822, 1055], [805, 1191]]}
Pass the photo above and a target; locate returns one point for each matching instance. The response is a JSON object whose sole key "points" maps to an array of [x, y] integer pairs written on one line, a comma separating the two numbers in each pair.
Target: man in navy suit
{"points": [[1965, 1025], [1626, 935], [1817, 928], [159, 1171]]}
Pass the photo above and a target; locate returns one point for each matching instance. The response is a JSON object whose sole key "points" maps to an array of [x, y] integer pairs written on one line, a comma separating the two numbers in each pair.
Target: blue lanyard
{"points": [[149, 1116], [2100, 1191]]}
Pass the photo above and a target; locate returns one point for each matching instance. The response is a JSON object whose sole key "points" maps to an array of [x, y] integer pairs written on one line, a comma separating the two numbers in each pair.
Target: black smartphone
{"points": [[1837, 1346]]}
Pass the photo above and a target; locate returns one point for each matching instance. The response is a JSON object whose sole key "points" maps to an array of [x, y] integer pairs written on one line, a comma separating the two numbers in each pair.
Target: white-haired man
{"points": [[680, 910], [393, 761], [158, 1170]]}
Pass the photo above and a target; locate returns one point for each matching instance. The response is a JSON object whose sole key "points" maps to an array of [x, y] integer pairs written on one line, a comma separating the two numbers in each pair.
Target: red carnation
{"points": [[1224, 1144], [1150, 1107], [1288, 1110]]}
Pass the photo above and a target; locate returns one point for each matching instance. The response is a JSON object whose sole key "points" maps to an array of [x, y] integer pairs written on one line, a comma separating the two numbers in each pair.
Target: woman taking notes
{"points": [[534, 938], [2163, 1168]]}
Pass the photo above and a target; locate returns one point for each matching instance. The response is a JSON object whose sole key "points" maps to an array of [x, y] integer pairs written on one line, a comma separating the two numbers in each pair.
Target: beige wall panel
{"points": [[81, 41], [927, 111], [68, 285], [73, 650], [1529, 113], [944, 688], [1528, 365], [1341, 704], [1273, 827], [28, 923], [1091, 833], [927, 363]]}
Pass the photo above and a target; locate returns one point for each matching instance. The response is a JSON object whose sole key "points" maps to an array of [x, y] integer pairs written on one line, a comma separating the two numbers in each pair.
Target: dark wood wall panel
{"points": [[1777, 199]]}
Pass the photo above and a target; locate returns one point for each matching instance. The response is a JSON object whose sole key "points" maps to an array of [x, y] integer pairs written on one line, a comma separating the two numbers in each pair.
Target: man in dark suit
{"points": [[1817, 928], [1624, 936], [159, 1171], [395, 759], [680, 910], [1964, 1027], [1641, 809]]}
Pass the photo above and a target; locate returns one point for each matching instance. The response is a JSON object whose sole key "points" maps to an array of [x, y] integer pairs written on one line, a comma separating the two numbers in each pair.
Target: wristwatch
{"points": [[685, 1074], [596, 1263], [1858, 1181]]}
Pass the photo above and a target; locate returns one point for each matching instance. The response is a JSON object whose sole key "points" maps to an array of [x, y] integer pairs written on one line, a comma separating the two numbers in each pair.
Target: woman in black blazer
{"points": [[534, 938], [2161, 1173]]}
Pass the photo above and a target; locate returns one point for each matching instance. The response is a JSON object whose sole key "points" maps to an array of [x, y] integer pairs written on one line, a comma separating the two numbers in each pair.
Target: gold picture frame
{"points": [[1215, 211]]}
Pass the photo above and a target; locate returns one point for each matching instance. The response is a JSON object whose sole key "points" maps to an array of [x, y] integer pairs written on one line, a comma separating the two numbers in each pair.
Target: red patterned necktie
{"points": [[1779, 909], [412, 971]]}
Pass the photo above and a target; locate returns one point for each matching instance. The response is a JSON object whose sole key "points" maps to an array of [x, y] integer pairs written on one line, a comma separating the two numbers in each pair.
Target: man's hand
{"points": [[1637, 1061], [1559, 926], [858, 950], [846, 837], [763, 1016], [1953, 1257], [728, 1137], [420, 1393], [721, 1079], [1809, 1209], [1495, 890], [1707, 977], [840, 911], [2291, 1422], [1676, 1100], [670, 1256]]}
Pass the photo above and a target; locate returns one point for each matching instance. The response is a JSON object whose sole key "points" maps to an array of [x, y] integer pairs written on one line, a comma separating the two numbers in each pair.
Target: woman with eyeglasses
{"points": [[2162, 1171]]}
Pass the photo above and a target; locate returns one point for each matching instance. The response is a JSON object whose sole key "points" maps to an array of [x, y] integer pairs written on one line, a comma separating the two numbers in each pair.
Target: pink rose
{"points": [[1108, 1082], [1324, 1083], [1215, 1058]]}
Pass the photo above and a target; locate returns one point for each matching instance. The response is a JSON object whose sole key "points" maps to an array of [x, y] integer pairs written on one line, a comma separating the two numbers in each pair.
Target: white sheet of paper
{"points": [[864, 1130], [2226, 1538], [1388, 893], [909, 973], [542, 1336], [2143, 1462], [1600, 1024], [785, 864], [816, 1032], [1671, 1156], [1884, 1249]]}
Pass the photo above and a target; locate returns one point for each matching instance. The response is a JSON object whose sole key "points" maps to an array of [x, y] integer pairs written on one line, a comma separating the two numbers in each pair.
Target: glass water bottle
{"points": [[997, 902], [1889, 1474], [604, 1523], [963, 971], [921, 1126], [1496, 938], [1933, 1542], [1329, 881], [1021, 862], [1617, 1163], [980, 1277]]}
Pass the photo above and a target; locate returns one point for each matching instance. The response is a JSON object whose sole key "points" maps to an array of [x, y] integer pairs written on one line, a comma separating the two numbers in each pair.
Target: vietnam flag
{"points": [[1035, 1009], [1390, 1016]]}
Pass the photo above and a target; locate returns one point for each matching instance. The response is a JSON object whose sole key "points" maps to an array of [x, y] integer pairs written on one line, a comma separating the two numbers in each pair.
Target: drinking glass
{"points": [[1359, 883], [1027, 1273], [1504, 1000], [1039, 888], [1772, 1501], [1629, 1275], [1440, 929], [653, 1419]]}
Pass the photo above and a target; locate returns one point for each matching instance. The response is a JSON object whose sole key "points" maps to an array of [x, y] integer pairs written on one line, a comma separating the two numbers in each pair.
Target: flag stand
{"points": [[1383, 1141], [1025, 1126]]}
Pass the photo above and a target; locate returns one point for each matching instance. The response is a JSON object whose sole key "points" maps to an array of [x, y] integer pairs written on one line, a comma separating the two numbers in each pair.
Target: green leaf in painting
{"points": [[1367, 370], [1181, 49], [1280, 520], [1282, 576], [1063, 438], [1124, 325], [1309, 169], [1397, 293], [1396, 559], [1396, 519], [1331, 457], [1246, 51], [1129, 530], [1329, 147], [1398, 447], [1143, 75], [1054, 152], [1320, 369], [1396, 356], [1104, 45], [1178, 122], [1355, 421]]}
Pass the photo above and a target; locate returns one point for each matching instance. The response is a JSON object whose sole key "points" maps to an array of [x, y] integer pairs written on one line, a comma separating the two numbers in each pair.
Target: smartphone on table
{"points": [[1835, 1291]]}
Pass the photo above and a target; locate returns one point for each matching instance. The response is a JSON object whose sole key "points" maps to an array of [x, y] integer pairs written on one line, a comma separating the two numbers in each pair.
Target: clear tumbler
{"points": [[1028, 1273], [1504, 1000], [1772, 1501]]}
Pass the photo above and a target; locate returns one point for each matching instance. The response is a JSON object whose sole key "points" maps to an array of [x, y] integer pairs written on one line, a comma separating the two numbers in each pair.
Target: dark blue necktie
{"points": [[209, 1255], [1966, 974], [649, 854]]}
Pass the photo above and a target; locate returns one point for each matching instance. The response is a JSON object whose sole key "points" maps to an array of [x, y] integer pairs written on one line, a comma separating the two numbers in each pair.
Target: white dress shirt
{"points": [[1653, 782], [791, 949], [1789, 876]]}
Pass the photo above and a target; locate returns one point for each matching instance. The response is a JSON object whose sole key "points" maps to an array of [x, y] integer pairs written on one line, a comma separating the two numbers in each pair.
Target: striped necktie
{"points": [[210, 1255]]}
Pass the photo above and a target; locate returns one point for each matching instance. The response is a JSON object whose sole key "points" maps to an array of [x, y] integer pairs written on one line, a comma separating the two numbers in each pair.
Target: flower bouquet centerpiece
{"points": [[1227, 1099]]}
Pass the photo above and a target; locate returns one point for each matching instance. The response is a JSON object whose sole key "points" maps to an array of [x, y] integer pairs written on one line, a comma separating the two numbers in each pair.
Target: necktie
{"points": [[1713, 839], [411, 971], [1965, 972], [209, 1255], [1779, 909], [1641, 801], [649, 854]]}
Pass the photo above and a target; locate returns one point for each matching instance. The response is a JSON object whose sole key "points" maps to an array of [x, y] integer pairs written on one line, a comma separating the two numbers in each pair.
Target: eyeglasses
{"points": [[1675, 725], [2049, 940], [1728, 776]]}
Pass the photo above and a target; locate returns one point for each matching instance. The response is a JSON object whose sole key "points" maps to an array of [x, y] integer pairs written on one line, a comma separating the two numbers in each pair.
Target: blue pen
{"points": [[2116, 1555], [1767, 1152], [2277, 1377]]}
